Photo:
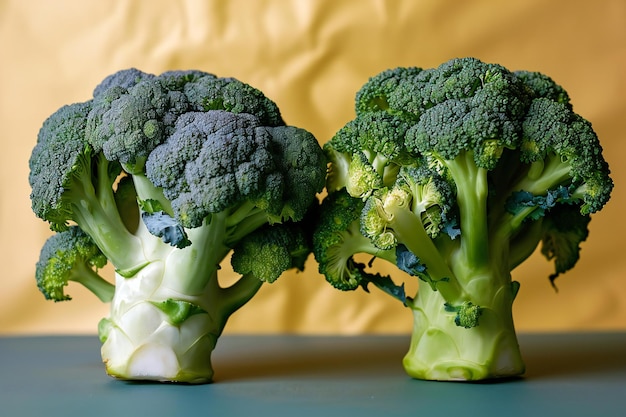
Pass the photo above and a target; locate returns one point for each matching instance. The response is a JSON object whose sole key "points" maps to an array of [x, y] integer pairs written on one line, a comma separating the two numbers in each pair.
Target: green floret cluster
{"points": [[68, 256]]}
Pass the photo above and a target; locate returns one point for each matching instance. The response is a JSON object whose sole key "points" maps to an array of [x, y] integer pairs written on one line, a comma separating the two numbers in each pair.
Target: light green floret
{"points": [[67, 256]]}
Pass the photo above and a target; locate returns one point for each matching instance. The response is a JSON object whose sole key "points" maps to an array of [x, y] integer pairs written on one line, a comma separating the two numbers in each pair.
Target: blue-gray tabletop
{"points": [[568, 374]]}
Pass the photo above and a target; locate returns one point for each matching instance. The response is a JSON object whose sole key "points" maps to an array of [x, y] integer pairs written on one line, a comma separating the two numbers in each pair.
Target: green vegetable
{"points": [[164, 176], [456, 175]]}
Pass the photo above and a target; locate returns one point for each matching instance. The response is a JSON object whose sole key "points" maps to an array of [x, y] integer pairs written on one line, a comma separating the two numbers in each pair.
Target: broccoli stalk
{"points": [[164, 176], [164, 324], [479, 167]]}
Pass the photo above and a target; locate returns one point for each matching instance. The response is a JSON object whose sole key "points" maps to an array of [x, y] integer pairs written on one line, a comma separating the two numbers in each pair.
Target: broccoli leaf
{"points": [[162, 225]]}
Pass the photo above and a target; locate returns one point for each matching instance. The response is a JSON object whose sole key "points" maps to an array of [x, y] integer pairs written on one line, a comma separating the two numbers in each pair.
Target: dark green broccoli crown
{"points": [[337, 213], [462, 105], [134, 112], [56, 158], [367, 152], [176, 80], [271, 250], [544, 126], [213, 161], [60, 256], [127, 124], [468, 105], [217, 160], [62, 160], [301, 173], [462, 78]]}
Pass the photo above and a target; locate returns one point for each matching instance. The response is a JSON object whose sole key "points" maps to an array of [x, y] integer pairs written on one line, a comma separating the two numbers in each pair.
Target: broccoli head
{"points": [[163, 176], [461, 171]]}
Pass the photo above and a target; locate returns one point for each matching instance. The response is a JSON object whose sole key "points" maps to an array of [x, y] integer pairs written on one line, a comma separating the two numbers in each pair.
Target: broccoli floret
{"points": [[467, 314], [487, 165], [394, 91], [337, 238], [214, 161], [165, 175], [229, 94], [410, 217], [543, 86], [562, 149], [278, 247], [367, 152], [432, 199], [61, 148], [67, 256], [129, 123], [125, 79]]}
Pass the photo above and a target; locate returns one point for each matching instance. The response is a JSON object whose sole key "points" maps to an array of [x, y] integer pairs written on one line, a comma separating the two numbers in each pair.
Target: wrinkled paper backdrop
{"points": [[310, 57]]}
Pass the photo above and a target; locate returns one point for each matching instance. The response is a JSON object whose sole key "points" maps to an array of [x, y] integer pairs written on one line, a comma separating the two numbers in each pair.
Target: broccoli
{"points": [[163, 176], [71, 255], [455, 175]]}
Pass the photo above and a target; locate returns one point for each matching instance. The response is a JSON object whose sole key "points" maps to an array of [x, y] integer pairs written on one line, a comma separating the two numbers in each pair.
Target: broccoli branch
{"points": [[90, 279], [410, 231], [472, 192], [236, 295], [95, 211]]}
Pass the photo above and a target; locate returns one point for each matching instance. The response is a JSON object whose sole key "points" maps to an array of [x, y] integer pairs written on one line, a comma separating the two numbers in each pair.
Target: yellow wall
{"points": [[310, 57]]}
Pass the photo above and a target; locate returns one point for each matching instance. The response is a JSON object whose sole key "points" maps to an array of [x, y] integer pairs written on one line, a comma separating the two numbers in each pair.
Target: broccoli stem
{"points": [[86, 276], [442, 350], [147, 191], [192, 268], [472, 191], [385, 167], [545, 174], [95, 212], [540, 176], [409, 230], [242, 221], [227, 300], [144, 340], [523, 244]]}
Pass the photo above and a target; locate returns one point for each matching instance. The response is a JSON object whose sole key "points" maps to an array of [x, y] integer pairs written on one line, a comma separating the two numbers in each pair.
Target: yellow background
{"points": [[310, 57]]}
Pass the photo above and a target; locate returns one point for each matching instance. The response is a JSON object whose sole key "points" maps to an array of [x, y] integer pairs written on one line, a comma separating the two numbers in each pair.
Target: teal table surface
{"points": [[580, 374]]}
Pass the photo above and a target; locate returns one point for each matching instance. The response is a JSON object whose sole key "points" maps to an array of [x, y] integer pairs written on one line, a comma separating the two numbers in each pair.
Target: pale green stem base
{"points": [[440, 350], [142, 342]]}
